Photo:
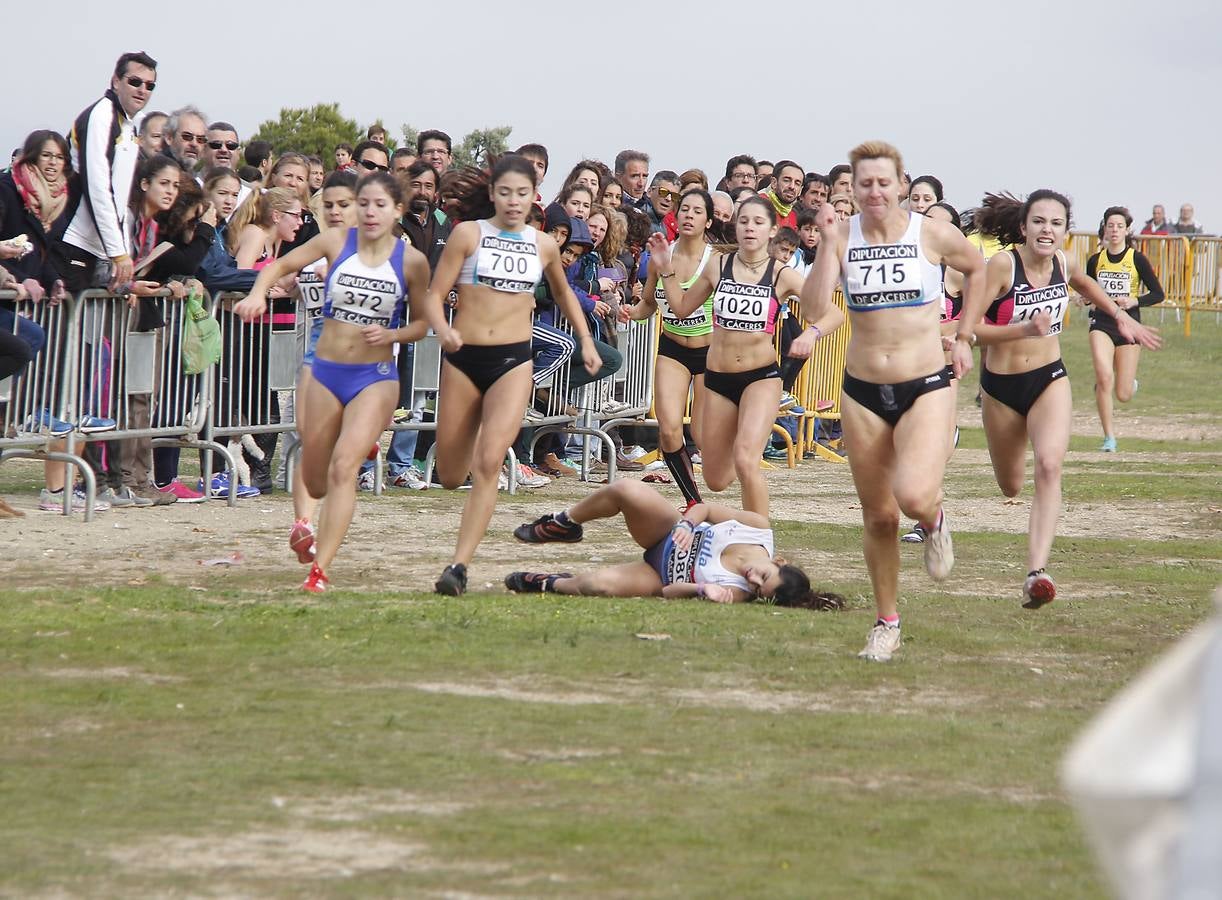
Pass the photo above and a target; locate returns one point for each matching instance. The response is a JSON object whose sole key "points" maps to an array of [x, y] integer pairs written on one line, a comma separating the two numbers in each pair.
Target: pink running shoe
{"points": [[301, 541], [182, 492]]}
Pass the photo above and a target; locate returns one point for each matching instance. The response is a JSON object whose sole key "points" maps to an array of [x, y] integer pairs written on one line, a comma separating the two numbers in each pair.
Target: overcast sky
{"points": [[1110, 103]]}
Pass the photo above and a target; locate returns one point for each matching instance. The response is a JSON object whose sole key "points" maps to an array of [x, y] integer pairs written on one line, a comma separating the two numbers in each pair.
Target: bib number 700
{"points": [[509, 263]]}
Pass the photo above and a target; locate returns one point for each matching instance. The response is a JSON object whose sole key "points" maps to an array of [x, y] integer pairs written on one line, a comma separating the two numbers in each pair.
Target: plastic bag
{"points": [[201, 336]]}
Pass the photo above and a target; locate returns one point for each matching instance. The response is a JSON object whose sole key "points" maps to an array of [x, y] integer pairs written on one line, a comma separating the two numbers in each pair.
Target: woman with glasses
{"points": [[353, 386]]}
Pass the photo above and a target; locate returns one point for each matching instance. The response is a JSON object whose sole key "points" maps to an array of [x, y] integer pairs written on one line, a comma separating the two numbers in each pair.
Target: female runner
{"points": [[710, 551], [897, 409], [1024, 382], [340, 214], [1121, 271], [496, 260], [742, 381], [354, 384], [683, 346]]}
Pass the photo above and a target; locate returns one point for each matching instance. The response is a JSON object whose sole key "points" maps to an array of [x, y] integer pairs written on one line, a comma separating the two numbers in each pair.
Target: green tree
{"points": [[315, 131], [410, 133], [481, 143]]}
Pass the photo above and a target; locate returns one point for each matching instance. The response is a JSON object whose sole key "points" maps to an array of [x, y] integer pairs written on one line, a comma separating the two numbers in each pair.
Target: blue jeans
{"points": [[29, 331]]}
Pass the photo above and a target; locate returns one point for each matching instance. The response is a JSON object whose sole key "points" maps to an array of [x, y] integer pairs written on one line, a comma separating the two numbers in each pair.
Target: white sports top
{"points": [[504, 260], [703, 316], [701, 564], [888, 276], [366, 295]]}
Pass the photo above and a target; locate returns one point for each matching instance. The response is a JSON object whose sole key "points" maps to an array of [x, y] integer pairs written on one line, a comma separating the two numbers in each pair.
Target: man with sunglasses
{"points": [[371, 156], [185, 136], [221, 147], [105, 153], [663, 197]]}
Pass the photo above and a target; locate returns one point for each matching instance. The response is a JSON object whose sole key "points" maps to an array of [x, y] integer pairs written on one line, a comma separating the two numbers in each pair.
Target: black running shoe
{"points": [[453, 580], [533, 582], [546, 530]]}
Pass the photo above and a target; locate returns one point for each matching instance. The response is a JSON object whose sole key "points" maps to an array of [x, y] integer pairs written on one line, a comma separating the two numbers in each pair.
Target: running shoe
{"points": [[316, 582], [533, 582], [628, 465], [546, 530], [1038, 590], [95, 424], [533, 416], [939, 551], [636, 451], [182, 492], [218, 488], [1109, 444], [53, 501], [128, 497], [301, 541], [366, 480], [881, 643], [453, 580], [44, 420], [916, 536], [400, 415], [776, 454], [118, 499], [788, 402], [528, 477], [615, 407], [410, 478]]}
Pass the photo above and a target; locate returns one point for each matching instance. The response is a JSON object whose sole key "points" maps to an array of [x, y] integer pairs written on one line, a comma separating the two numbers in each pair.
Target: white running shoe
{"points": [[882, 641], [528, 477], [939, 551]]}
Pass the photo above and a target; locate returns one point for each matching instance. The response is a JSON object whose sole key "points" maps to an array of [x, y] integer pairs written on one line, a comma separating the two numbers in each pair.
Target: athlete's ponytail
{"points": [[1128, 222], [1003, 215], [468, 194], [795, 591]]}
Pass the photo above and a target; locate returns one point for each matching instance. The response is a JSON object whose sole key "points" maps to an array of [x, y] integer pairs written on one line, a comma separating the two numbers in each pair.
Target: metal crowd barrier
{"points": [[34, 399], [259, 361], [1206, 253], [104, 359]]}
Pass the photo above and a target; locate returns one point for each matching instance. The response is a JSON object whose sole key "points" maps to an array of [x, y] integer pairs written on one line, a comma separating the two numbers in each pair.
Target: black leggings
{"points": [[15, 354]]}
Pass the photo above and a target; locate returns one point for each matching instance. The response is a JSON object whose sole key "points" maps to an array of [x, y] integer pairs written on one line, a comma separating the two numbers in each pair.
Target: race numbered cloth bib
{"points": [[884, 276], [744, 307], [1053, 299], [313, 290], [360, 300], [508, 264], [1115, 283], [697, 319]]}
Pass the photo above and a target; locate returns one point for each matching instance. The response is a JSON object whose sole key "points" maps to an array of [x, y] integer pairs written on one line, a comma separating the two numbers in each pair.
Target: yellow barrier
{"points": [[819, 383], [1207, 272]]}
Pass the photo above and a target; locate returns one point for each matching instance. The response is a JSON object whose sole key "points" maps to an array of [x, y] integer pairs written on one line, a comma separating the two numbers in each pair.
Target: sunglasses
{"points": [[370, 165], [135, 81], [668, 194], [228, 145], [189, 138]]}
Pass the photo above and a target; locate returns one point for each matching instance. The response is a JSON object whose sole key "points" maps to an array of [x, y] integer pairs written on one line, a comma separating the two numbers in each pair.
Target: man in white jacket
{"points": [[106, 153]]}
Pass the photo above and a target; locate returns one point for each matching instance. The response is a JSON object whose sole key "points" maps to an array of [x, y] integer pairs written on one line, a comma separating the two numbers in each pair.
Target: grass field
{"points": [[168, 729]]}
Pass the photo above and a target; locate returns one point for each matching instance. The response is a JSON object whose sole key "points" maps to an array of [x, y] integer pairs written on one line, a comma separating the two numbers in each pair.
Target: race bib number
{"points": [[884, 276], [1115, 284], [313, 291], [743, 307], [508, 265], [696, 320], [1053, 299], [358, 300]]}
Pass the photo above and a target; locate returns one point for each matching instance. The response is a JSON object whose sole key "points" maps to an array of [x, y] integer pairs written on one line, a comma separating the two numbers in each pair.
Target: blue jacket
{"points": [[219, 271]]}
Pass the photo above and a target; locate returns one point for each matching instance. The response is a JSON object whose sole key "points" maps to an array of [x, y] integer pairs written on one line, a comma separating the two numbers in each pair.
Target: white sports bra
{"points": [[889, 276], [701, 564], [504, 260], [359, 294]]}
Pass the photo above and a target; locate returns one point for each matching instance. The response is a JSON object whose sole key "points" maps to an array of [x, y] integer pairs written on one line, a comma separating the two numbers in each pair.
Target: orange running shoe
{"points": [[316, 582], [301, 541]]}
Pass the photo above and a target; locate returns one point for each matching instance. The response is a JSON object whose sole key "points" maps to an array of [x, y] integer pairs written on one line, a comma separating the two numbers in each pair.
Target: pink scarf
{"points": [[45, 200]]}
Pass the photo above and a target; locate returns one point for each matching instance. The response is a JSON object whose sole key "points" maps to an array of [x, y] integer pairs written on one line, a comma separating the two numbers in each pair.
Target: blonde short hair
{"points": [[876, 150]]}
